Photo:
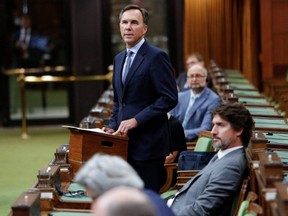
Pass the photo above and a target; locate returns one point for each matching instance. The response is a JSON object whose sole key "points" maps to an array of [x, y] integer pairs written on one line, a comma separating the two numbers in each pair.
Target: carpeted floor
{"points": [[21, 159]]}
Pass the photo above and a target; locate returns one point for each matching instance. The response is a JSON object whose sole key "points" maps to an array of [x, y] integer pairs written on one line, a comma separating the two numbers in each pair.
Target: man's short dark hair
{"points": [[239, 117], [197, 55], [143, 11]]}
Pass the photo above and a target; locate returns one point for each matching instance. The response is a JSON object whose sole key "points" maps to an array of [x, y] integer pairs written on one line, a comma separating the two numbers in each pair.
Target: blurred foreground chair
{"points": [[248, 207]]}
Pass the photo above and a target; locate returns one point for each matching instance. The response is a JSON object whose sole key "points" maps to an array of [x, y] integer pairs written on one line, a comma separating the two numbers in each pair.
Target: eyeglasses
{"points": [[79, 193], [196, 76]]}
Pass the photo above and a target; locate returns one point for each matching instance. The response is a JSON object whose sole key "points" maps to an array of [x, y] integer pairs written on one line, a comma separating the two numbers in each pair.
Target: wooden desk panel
{"points": [[264, 112], [85, 143], [27, 204], [254, 101], [270, 124], [248, 93]]}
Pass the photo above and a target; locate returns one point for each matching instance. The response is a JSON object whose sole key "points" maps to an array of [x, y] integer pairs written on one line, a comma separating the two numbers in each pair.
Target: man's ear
{"points": [[239, 132]]}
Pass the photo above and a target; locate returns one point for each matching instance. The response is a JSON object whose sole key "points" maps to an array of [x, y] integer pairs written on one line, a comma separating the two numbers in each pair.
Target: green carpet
{"points": [[21, 159]]}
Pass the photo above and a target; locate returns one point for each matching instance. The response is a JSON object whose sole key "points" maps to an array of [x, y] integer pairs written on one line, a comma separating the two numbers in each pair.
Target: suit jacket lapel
{"points": [[118, 74], [186, 98], [135, 64]]}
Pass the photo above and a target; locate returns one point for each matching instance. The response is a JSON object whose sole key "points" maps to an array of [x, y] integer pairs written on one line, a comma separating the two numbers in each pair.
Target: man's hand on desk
{"points": [[108, 130], [125, 126], [111, 131]]}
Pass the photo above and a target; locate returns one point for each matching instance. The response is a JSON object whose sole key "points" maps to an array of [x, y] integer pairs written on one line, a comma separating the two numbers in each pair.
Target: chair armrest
{"points": [[169, 169], [191, 145]]}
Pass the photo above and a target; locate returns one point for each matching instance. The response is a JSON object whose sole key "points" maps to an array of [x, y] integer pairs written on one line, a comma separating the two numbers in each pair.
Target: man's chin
{"points": [[217, 145]]}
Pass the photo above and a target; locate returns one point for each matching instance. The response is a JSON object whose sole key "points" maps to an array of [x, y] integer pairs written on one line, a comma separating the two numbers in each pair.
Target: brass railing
{"points": [[49, 75]]}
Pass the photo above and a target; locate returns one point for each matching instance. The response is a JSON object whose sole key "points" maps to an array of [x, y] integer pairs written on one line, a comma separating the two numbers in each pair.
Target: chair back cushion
{"points": [[203, 144]]}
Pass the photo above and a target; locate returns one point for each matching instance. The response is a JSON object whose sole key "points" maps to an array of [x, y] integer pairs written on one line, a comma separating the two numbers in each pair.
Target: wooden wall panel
{"points": [[274, 38], [280, 17], [280, 49], [266, 41]]}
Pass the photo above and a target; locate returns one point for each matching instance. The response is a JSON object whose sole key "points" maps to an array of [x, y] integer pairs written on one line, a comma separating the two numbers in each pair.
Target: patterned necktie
{"points": [[127, 65]]}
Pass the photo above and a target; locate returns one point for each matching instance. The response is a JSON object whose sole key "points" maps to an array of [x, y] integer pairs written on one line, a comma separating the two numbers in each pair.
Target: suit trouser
{"points": [[150, 171]]}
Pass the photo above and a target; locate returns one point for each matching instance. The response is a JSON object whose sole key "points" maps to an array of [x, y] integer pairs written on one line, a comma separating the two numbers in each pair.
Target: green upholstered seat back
{"points": [[203, 144]]}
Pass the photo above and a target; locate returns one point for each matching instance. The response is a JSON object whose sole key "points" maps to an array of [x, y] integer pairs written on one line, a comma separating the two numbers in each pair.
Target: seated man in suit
{"points": [[212, 190], [28, 46], [195, 105]]}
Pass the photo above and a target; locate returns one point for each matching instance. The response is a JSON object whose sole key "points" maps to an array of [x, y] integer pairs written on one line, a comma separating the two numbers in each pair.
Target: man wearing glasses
{"points": [[195, 105]]}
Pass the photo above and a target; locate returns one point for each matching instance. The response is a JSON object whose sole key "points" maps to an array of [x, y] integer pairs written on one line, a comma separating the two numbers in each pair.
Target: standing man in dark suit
{"points": [[212, 190], [143, 95]]}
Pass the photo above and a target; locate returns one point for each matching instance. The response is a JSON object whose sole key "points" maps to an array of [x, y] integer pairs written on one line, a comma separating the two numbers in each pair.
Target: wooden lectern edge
{"points": [[84, 130]]}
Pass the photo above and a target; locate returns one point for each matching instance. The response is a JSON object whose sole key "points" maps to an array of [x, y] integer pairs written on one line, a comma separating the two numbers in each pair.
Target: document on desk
{"points": [[99, 130], [96, 130]]}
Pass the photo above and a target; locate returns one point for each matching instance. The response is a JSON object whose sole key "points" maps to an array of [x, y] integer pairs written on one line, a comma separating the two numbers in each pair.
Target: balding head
{"points": [[123, 201], [196, 78]]}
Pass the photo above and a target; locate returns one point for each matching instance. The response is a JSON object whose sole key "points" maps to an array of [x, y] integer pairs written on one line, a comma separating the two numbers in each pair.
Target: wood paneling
{"points": [[274, 38], [280, 17], [266, 43], [280, 49]]}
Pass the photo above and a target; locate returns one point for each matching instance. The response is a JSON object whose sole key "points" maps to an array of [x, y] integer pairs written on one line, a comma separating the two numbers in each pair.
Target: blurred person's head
{"points": [[123, 201], [103, 172], [194, 58], [26, 21]]}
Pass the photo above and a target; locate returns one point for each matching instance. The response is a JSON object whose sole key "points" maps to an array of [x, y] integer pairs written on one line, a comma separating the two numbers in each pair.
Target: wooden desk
{"points": [[269, 111], [236, 80], [269, 172], [48, 181], [251, 94], [254, 101], [281, 200], [258, 143], [27, 204], [277, 140], [84, 143], [271, 124], [231, 73], [243, 86]]}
